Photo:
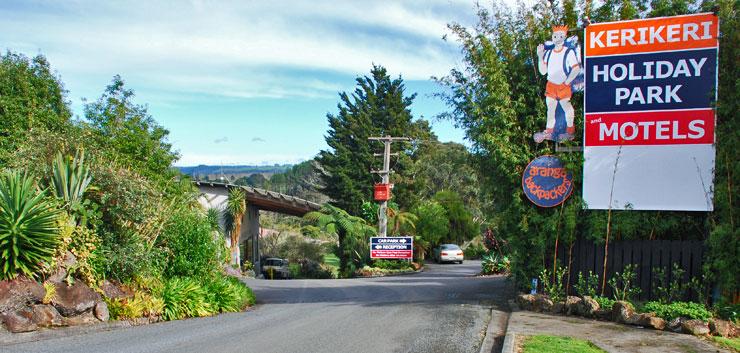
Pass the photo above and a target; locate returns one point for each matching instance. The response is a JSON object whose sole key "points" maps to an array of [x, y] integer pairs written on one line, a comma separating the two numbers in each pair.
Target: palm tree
{"points": [[236, 205], [402, 219], [350, 231]]}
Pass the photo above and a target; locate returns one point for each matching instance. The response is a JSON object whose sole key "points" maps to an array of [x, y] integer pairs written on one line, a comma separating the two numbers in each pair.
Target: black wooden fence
{"points": [[585, 256]]}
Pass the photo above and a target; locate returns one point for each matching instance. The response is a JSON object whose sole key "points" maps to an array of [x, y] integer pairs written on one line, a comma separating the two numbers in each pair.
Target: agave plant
{"points": [[70, 180], [29, 228]]}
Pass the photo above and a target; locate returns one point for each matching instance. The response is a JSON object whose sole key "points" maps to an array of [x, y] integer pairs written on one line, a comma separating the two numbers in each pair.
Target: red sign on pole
{"points": [[382, 192]]}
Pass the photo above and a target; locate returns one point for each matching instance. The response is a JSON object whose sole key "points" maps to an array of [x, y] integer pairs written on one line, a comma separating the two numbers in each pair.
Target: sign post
{"points": [[649, 118], [391, 247]]}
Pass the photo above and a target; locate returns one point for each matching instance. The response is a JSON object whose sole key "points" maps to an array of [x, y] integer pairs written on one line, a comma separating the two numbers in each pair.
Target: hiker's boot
{"points": [[568, 135], [543, 135]]}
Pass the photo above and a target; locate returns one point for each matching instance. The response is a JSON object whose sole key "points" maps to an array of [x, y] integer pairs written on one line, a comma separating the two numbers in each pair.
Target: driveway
{"points": [[443, 309]]}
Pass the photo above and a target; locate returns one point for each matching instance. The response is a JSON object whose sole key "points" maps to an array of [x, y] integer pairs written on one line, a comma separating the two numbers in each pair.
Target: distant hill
{"points": [[232, 172]]}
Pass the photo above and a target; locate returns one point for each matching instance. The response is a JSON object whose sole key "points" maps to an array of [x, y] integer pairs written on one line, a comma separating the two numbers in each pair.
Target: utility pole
{"points": [[385, 174]]}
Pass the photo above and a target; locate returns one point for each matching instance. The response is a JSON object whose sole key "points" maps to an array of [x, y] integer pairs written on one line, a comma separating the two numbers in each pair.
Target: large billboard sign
{"points": [[649, 117], [391, 247]]}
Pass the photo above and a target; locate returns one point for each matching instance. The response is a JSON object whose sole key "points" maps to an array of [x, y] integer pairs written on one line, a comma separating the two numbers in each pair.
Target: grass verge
{"points": [[732, 343], [557, 344]]}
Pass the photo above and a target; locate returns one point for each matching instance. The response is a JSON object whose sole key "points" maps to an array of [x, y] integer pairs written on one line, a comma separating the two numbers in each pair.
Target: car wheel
{"points": [[461, 262]]}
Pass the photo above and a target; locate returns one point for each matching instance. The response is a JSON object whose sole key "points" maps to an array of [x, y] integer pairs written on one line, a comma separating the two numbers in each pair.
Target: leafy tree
{"points": [[31, 98], [130, 133], [461, 226], [352, 234], [377, 107], [497, 98], [432, 225]]}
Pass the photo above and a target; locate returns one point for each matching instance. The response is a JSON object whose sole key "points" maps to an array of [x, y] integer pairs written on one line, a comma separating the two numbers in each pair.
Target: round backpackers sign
{"points": [[546, 182]]}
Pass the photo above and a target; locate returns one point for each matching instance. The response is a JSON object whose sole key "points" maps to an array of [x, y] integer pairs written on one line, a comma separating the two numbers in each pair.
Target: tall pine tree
{"points": [[377, 107]]}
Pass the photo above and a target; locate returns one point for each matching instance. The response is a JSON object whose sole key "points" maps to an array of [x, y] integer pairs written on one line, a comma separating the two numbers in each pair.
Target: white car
{"points": [[448, 253]]}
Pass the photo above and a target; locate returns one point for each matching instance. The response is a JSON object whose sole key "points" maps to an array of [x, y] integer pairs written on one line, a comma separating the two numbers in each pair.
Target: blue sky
{"points": [[242, 82]]}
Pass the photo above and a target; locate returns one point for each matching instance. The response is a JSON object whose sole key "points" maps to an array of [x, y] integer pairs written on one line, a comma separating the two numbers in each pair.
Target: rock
{"points": [[695, 327], [603, 314], [542, 304], [101, 311], [622, 311], [587, 307], [114, 290], [82, 319], [525, 301], [572, 303], [722, 328], [558, 308], [61, 273], [19, 321], [19, 293], [675, 325], [74, 300], [647, 320], [46, 316]]}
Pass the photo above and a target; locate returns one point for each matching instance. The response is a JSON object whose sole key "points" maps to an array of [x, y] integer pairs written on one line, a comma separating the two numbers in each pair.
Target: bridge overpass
{"points": [[214, 195]]}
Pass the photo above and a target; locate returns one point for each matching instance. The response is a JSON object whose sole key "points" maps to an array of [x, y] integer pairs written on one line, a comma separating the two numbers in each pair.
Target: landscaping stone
{"points": [[542, 304], [558, 308], [622, 311], [603, 314], [114, 290], [19, 321], [695, 327], [587, 307], [675, 325], [46, 316], [20, 292], [722, 328], [82, 319], [572, 303], [525, 301], [61, 273], [647, 320], [101, 311], [74, 300]]}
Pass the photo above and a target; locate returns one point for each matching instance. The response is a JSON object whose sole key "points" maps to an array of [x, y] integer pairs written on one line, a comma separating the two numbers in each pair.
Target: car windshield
{"points": [[273, 262], [450, 247]]}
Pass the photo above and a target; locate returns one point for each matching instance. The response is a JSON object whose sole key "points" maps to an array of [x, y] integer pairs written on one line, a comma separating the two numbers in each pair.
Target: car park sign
{"points": [[391, 247], [649, 113]]}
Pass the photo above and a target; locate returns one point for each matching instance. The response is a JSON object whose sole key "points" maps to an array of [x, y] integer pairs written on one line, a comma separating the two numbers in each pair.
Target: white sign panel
{"points": [[649, 118]]}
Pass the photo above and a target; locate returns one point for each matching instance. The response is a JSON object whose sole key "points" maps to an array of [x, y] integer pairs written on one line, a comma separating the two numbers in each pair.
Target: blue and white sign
{"points": [[391, 247]]}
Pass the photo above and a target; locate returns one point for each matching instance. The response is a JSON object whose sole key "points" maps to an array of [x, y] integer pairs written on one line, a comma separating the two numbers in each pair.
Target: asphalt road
{"points": [[443, 309]]}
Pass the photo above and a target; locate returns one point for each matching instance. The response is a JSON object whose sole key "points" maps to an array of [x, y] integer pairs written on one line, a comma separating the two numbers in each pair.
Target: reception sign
{"points": [[546, 182], [649, 122]]}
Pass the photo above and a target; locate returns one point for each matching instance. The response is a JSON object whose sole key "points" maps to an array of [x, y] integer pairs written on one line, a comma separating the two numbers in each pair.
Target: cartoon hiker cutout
{"points": [[560, 60]]}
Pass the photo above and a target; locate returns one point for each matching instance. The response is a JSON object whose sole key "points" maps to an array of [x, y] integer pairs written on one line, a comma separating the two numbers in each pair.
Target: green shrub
{"points": [[190, 245], [587, 286], [552, 284], [392, 264], [475, 251], [184, 297], [29, 226], [678, 309], [142, 304], [729, 312], [604, 302], [228, 294], [623, 284]]}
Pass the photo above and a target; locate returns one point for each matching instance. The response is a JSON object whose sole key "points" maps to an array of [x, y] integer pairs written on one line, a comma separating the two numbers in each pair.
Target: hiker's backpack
{"points": [[571, 45]]}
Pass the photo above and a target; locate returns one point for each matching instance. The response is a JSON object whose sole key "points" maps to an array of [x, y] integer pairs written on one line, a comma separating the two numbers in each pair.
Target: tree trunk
{"points": [[235, 258]]}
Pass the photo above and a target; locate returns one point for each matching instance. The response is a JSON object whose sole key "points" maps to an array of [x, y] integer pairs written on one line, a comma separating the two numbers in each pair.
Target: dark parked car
{"points": [[275, 268]]}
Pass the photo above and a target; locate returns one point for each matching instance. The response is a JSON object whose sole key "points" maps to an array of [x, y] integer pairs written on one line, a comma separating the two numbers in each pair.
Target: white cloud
{"points": [[236, 49]]}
